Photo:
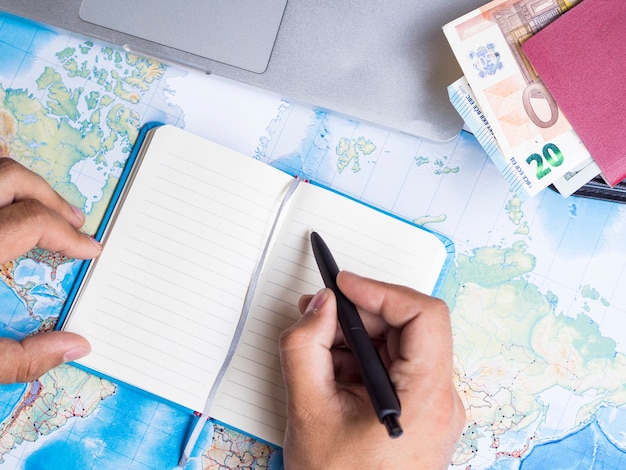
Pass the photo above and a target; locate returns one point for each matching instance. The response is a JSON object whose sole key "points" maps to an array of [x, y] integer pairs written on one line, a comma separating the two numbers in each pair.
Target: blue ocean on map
{"points": [[575, 447], [128, 428], [135, 428], [313, 148], [9, 395], [16, 33], [18, 311], [599, 444], [50, 297], [594, 216]]}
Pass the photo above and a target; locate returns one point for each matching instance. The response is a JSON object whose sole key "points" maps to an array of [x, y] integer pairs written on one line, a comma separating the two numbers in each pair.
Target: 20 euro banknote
{"points": [[534, 137], [466, 104]]}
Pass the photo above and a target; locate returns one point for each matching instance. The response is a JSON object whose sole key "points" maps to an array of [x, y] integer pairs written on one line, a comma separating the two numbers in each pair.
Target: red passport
{"points": [[581, 59]]}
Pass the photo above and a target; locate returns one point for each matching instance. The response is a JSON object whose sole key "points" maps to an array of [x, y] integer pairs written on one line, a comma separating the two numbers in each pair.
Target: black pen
{"points": [[373, 372]]}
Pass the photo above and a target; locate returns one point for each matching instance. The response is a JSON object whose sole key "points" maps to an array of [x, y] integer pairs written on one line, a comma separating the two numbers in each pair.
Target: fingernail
{"points": [[75, 353], [78, 213], [94, 241], [317, 301]]}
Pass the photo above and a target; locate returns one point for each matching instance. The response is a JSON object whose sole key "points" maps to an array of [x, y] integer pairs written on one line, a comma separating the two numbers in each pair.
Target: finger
{"points": [[29, 223], [19, 184], [420, 323], [305, 354], [34, 356], [396, 304], [345, 367], [303, 303]]}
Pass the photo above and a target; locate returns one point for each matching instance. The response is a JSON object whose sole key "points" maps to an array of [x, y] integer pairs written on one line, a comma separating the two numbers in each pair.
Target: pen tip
{"points": [[393, 425]]}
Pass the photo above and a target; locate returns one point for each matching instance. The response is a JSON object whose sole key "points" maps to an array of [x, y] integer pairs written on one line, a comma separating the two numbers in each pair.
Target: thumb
{"points": [[28, 360], [305, 354]]}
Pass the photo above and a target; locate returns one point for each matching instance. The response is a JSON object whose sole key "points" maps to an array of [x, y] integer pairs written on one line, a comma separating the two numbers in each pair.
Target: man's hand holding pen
{"points": [[331, 423]]}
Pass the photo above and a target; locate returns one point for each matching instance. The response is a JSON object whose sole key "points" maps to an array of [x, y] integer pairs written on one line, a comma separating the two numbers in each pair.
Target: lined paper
{"points": [[165, 296], [363, 241]]}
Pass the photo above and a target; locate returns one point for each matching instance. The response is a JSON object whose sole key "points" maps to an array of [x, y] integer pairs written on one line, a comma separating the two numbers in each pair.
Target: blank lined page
{"points": [[365, 241], [162, 302]]}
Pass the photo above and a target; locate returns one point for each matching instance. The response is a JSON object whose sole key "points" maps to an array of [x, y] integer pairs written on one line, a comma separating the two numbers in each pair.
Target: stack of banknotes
{"points": [[504, 102]]}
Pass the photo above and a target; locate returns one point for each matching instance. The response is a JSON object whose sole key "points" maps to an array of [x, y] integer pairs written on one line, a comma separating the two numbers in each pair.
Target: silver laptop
{"points": [[383, 61]]}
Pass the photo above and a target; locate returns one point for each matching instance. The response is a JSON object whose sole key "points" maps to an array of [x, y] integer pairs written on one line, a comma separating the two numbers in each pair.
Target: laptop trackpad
{"points": [[239, 33]]}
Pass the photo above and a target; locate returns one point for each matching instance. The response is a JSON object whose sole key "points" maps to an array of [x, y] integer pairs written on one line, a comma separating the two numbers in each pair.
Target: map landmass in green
{"points": [[62, 394], [54, 135], [520, 348], [349, 150], [234, 450]]}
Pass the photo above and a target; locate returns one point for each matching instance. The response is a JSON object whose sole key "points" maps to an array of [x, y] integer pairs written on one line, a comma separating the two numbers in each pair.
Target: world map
{"points": [[535, 289]]}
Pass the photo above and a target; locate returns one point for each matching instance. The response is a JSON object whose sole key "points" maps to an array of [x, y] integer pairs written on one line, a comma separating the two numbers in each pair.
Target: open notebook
{"points": [[162, 307]]}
